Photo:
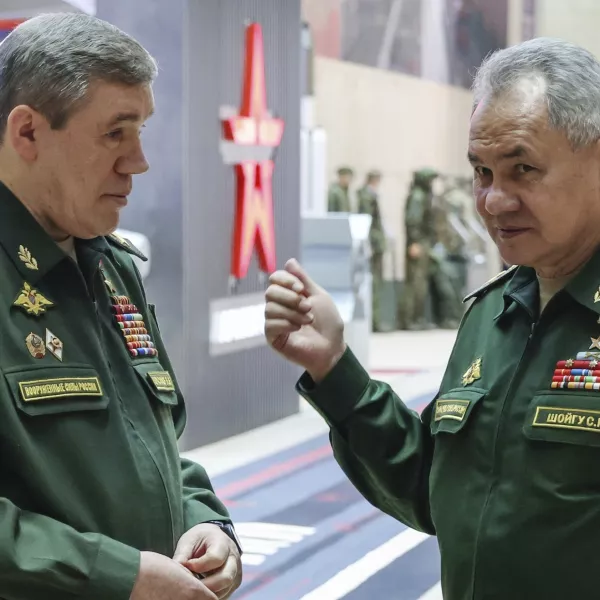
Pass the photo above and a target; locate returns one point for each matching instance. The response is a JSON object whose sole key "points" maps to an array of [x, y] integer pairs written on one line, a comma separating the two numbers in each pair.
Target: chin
{"points": [[519, 257], [101, 228]]}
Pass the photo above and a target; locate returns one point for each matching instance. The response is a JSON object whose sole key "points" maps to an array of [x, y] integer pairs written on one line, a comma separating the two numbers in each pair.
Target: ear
{"points": [[23, 127]]}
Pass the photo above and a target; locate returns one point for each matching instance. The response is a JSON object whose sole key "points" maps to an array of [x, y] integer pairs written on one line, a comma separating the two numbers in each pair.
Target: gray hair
{"points": [[571, 78], [50, 61]]}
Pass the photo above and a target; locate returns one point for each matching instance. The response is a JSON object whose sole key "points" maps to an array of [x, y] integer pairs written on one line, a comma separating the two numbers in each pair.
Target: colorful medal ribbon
{"points": [[580, 373], [131, 323]]}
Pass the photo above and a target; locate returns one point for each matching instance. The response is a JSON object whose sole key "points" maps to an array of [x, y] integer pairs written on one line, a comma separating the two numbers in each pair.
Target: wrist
{"points": [[321, 371], [229, 530]]}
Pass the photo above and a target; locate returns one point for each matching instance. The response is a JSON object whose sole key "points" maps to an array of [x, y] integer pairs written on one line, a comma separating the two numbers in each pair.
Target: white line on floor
{"points": [[351, 577], [435, 593]]}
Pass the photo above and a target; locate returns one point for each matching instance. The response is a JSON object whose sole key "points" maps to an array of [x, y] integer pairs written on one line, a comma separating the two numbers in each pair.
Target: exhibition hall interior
{"points": [[334, 132]]}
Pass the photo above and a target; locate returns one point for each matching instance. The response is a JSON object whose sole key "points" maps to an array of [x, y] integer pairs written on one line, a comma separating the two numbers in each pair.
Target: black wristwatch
{"points": [[229, 530]]}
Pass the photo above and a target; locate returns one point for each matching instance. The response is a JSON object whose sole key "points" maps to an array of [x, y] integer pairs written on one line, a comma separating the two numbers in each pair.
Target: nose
{"points": [[134, 162], [498, 201]]}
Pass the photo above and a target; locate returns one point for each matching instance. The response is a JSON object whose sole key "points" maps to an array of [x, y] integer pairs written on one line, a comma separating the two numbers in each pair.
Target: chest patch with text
{"points": [[162, 381], [567, 418], [64, 387], [455, 410]]}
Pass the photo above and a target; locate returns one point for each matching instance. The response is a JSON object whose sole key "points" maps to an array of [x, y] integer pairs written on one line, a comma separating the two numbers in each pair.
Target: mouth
{"points": [[507, 233], [120, 199]]}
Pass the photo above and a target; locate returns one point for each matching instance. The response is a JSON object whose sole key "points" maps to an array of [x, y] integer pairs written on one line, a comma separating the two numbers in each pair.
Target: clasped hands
{"points": [[206, 551]]}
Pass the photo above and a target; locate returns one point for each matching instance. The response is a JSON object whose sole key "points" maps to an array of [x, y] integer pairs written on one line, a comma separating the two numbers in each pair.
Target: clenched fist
{"points": [[302, 322]]}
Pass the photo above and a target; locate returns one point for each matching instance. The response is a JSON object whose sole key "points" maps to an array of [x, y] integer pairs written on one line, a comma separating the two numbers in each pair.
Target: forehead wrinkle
{"points": [[509, 135]]}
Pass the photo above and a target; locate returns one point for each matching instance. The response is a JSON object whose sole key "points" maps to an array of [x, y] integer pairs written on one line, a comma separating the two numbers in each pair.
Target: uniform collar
{"points": [[33, 252], [584, 288], [523, 289]]}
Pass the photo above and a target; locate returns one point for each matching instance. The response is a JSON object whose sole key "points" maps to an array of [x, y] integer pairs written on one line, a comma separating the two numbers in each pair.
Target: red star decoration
{"points": [[254, 126]]}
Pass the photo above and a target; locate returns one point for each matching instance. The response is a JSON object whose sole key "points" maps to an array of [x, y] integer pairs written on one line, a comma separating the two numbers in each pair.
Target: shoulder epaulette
{"points": [[502, 276], [126, 245]]}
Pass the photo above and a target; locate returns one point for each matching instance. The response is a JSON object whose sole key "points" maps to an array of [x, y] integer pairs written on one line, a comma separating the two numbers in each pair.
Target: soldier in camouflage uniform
{"points": [[338, 198], [368, 203], [448, 257], [418, 220]]}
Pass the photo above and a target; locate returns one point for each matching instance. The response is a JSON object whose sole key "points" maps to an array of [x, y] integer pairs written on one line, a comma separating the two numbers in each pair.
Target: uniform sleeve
{"points": [[384, 448], [43, 558], [200, 503]]}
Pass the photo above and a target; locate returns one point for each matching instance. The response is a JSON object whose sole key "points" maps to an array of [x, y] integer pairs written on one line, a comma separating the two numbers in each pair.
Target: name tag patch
{"points": [[451, 409], [65, 387], [567, 418], [162, 381]]}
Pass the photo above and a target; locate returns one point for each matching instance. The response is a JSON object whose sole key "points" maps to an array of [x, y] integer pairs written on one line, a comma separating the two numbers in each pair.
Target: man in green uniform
{"points": [[368, 203], [96, 502], [448, 259], [418, 222], [338, 198], [503, 464]]}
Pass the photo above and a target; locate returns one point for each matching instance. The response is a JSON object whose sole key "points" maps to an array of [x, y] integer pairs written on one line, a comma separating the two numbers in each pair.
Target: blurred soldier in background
{"points": [[368, 203], [458, 197], [338, 199], [418, 219], [449, 256]]}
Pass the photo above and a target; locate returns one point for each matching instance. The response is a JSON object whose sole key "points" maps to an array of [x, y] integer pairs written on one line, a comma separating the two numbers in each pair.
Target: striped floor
{"points": [[309, 535]]}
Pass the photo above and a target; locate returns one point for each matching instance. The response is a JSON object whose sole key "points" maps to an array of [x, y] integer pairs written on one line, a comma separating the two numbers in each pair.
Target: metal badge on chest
{"points": [[36, 304]]}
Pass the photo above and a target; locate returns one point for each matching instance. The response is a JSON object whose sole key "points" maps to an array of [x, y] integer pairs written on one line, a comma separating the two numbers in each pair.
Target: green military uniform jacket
{"points": [[90, 470], [338, 199], [504, 465], [368, 203]]}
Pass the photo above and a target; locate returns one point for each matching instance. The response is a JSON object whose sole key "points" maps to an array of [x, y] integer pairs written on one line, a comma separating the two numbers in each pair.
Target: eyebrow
{"points": [[516, 152], [125, 117]]}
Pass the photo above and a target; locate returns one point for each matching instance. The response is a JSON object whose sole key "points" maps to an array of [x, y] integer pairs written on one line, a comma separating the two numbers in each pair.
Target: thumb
{"points": [[213, 559], [184, 550], [310, 287]]}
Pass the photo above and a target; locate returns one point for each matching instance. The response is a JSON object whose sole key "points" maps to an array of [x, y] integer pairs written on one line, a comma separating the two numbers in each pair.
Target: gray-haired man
{"points": [[95, 502], [503, 464]]}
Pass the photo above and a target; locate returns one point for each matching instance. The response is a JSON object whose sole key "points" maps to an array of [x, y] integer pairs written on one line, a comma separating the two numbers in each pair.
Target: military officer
{"points": [[368, 203], [503, 464], [95, 500], [338, 197], [418, 221]]}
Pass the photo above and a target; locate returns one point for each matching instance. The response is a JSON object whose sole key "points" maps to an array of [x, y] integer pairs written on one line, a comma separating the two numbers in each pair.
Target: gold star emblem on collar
{"points": [[26, 257], [595, 343], [473, 373], [32, 301]]}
